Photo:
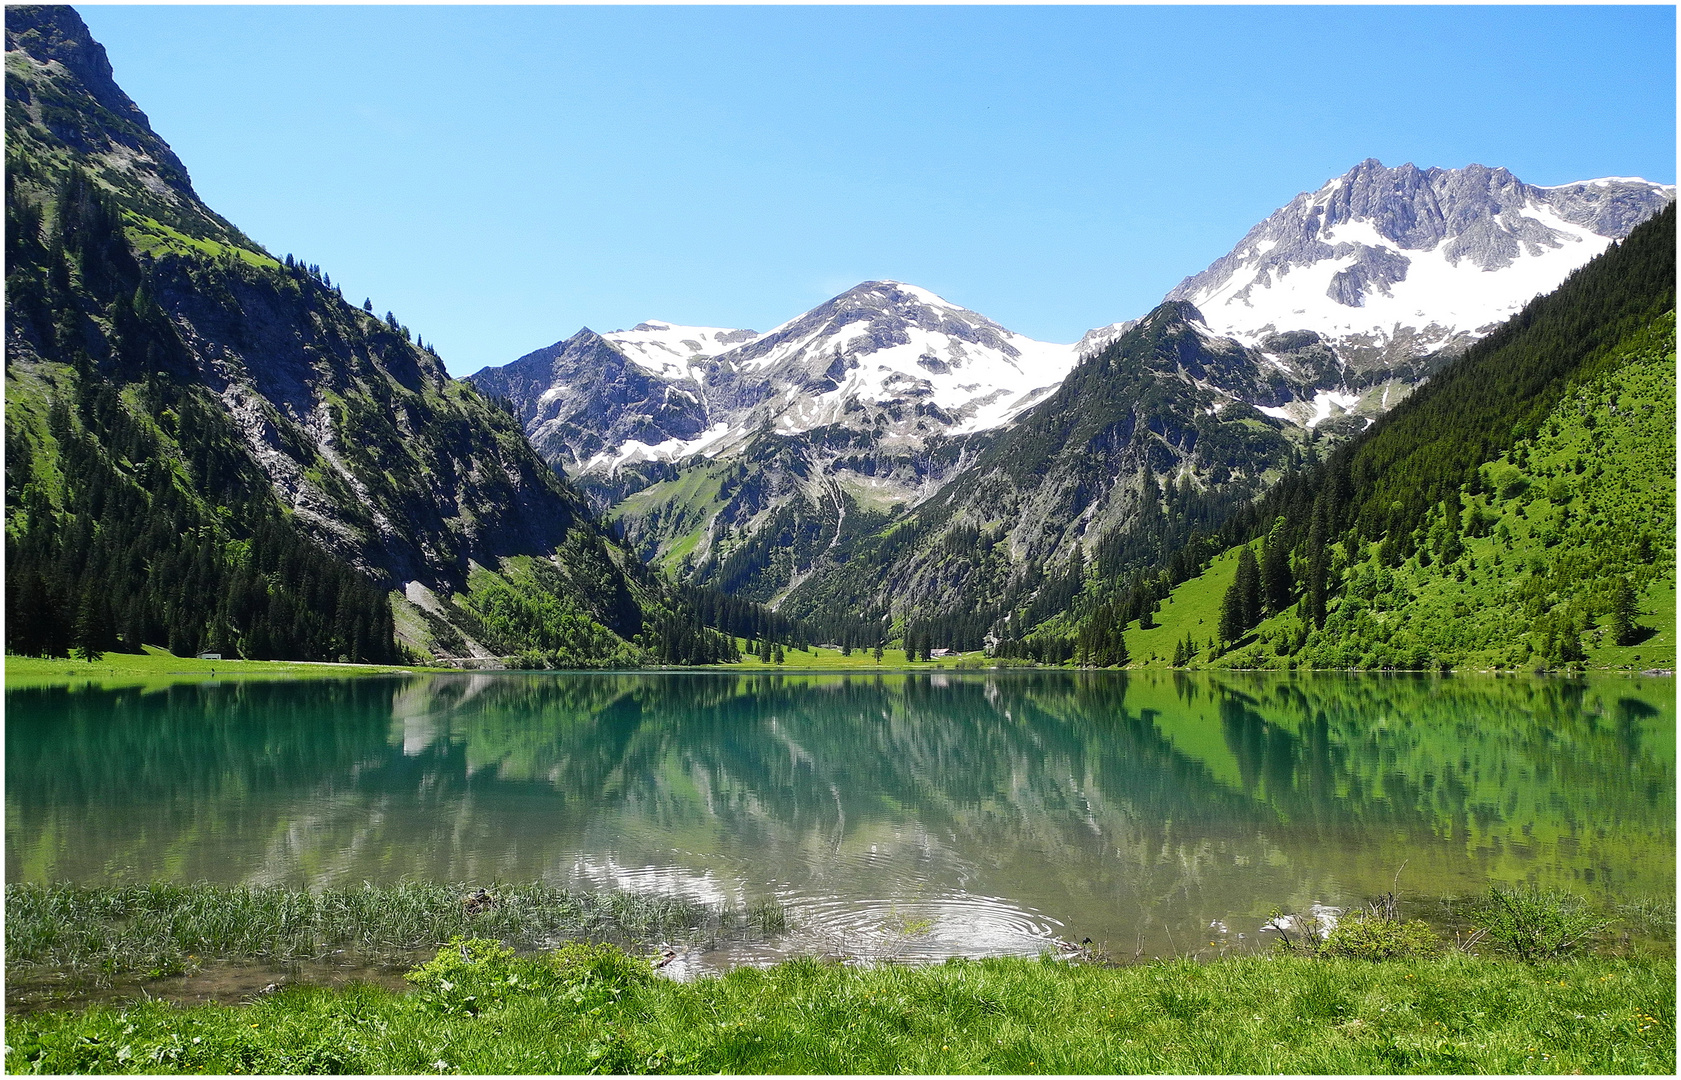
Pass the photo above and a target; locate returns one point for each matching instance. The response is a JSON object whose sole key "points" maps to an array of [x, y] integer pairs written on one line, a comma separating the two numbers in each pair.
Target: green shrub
{"points": [[468, 976], [1367, 936], [599, 967], [1536, 924]]}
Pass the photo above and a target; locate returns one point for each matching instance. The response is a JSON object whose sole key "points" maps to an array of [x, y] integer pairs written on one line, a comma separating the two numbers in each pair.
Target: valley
{"points": [[1276, 678], [889, 468]]}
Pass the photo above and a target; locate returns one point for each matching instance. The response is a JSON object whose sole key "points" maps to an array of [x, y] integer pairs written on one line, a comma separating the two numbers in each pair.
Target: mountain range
{"points": [[208, 447], [753, 461]]}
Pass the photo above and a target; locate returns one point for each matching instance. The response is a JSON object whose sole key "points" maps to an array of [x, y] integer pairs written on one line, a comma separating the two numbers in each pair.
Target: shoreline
{"points": [[162, 669]]}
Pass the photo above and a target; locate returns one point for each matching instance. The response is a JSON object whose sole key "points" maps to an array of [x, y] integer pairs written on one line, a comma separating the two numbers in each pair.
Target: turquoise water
{"points": [[911, 815]]}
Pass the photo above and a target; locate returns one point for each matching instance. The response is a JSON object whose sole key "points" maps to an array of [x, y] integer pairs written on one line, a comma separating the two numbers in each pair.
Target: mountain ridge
{"points": [[208, 445]]}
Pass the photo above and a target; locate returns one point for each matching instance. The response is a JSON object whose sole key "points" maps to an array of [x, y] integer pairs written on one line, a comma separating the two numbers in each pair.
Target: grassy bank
{"points": [[592, 1009], [97, 932], [157, 666]]}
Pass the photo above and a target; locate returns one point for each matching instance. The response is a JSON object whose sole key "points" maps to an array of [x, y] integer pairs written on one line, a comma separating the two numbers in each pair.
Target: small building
{"points": [[209, 656], [937, 653]]}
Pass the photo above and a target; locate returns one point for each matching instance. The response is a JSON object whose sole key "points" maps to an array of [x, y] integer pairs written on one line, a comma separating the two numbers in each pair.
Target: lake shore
{"points": [[158, 667]]}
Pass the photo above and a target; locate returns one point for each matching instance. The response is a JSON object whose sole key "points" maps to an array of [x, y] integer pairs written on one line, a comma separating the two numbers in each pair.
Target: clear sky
{"points": [[501, 176]]}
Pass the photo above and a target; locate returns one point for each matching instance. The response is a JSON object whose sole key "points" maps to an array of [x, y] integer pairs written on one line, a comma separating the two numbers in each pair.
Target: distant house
{"points": [[209, 656], [937, 653]]}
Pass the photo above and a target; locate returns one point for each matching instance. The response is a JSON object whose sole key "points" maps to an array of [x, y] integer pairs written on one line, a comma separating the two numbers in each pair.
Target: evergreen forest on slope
{"points": [[209, 448]]}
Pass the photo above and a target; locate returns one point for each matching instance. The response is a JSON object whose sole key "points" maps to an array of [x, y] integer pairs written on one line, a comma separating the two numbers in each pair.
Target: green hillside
{"points": [[1529, 565]]}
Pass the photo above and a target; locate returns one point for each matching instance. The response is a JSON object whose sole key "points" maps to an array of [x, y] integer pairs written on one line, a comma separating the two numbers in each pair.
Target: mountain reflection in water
{"points": [[919, 814]]}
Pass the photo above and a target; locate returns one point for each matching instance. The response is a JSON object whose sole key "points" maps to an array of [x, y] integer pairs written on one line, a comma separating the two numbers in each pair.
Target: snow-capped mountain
{"points": [[892, 358], [1383, 263], [722, 447], [747, 460], [885, 343], [1393, 269]]}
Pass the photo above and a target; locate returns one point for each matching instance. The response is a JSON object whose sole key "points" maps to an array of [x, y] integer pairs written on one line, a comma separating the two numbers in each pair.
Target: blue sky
{"points": [[501, 176]]}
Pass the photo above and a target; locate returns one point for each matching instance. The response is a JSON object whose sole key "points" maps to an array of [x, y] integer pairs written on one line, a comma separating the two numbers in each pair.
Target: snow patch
{"points": [[669, 450], [1455, 297], [670, 351]]}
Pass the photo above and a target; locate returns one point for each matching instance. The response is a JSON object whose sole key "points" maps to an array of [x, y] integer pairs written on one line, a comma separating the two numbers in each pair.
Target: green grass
{"points": [[588, 1010], [150, 235], [97, 932], [860, 660], [159, 666], [685, 507], [1193, 608], [1561, 518]]}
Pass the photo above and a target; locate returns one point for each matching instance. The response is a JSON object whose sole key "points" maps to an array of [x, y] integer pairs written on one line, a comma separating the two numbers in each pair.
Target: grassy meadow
{"points": [[159, 666], [478, 1008]]}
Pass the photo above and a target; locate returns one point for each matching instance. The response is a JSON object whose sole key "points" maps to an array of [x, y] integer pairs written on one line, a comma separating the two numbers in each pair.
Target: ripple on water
{"points": [[916, 929]]}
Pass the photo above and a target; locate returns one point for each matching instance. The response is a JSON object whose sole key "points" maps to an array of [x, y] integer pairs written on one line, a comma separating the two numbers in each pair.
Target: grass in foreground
{"points": [[480, 1009]]}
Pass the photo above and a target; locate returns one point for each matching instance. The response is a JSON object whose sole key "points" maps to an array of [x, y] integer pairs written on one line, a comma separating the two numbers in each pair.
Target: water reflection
{"points": [[927, 814]]}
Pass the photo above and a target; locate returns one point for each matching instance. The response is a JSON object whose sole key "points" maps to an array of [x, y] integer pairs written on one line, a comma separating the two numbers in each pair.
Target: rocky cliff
{"points": [[183, 366]]}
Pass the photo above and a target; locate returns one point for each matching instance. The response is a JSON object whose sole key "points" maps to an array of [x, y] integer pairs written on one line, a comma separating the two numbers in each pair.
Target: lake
{"points": [[910, 815]]}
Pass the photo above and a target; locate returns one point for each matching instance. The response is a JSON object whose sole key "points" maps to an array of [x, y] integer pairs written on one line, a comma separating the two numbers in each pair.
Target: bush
{"points": [[1369, 936], [469, 976], [1535, 924]]}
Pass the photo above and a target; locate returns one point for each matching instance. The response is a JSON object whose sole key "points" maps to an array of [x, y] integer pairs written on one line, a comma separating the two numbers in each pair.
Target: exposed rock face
{"points": [[582, 399], [709, 459], [1097, 339], [1167, 399], [1388, 265]]}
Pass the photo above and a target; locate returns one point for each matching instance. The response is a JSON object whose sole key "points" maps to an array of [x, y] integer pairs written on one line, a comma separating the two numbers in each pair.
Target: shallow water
{"points": [[899, 817]]}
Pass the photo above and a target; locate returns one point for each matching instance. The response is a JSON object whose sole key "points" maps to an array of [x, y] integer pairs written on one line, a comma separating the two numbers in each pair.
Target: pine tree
{"points": [[1241, 608], [1624, 631], [1277, 584], [1249, 587], [90, 631], [1318, 560]]}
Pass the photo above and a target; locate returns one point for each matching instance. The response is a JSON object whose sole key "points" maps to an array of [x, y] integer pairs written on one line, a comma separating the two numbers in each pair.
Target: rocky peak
{"points": [[56, 34], [1389, 264], [61, 97]]}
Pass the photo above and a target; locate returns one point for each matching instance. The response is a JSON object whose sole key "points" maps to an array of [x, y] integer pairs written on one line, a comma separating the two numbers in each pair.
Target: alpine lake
{"points": [[900, 816]]}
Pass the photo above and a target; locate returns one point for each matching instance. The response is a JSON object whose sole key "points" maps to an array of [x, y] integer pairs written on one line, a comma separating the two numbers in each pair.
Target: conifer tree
{"points": [[1241, 608], [1318, 569], [1623, 613], [90, 631], [1277, 584]]}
